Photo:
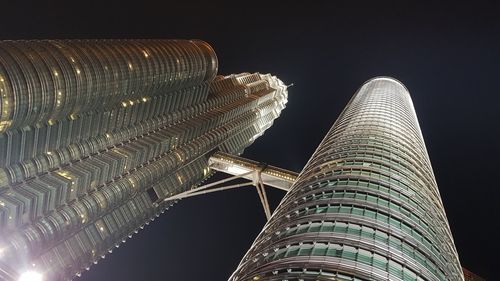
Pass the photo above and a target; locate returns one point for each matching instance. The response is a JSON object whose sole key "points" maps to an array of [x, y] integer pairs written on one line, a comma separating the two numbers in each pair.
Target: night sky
{"points": [[448, 56]]}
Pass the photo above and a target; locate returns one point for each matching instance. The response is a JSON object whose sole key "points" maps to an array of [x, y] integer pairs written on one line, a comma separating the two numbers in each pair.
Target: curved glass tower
{"points": [[365, 207], [96, 135]]}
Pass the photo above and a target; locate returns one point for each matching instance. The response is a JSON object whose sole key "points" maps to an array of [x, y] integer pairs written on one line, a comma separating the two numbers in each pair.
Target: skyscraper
{"points": [[96, 135], [365, 207]]}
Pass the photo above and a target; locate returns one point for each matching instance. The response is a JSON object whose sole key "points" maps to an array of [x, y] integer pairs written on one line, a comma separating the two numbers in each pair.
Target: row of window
{"points": [[370, 202], [355, 184], [423, 256], [394, 207], [298, 273], [392, 117], [348, 253], [379, 154], [427, 189], [417, 184], [349, 142], [399, 252], [47, 80], [26, 143], [329, 188], [370, 214], [371, 147], [74, 152], [400, 139]]}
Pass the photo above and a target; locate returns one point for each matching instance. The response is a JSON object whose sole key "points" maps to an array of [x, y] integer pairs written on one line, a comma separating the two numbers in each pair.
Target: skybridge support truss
{"points": [[258, 175]]}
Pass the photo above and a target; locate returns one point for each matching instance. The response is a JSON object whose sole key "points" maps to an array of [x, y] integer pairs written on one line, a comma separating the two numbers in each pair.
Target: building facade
{"points": [[96, 135], [365, 207]]}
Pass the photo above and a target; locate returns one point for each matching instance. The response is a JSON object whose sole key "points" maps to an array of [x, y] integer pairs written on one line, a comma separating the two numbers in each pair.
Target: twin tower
{"points": [[97, 135]]}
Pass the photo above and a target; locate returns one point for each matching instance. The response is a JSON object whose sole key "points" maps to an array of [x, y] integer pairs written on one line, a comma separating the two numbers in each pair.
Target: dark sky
{"points": [[448, 55]]}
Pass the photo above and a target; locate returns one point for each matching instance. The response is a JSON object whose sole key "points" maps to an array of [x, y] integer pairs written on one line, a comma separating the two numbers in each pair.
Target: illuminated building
{"points": [[95, 134], [365, 207]]}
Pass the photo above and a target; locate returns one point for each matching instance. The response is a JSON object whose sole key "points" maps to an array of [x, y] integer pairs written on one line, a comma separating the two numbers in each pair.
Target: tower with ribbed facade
{"points": [[365, 207], [96, 134]]}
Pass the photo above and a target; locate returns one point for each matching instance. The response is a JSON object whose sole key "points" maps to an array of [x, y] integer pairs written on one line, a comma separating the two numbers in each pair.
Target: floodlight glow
{"points": [[31, 276], [235, 170]]}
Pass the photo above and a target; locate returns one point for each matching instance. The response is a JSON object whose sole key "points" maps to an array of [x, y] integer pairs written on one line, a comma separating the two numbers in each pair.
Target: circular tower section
{"points": [[365, 207]]}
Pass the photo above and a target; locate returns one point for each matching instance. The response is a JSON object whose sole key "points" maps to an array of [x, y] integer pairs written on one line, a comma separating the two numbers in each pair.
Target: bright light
{"points": [[31, 276], [235, 170]]}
